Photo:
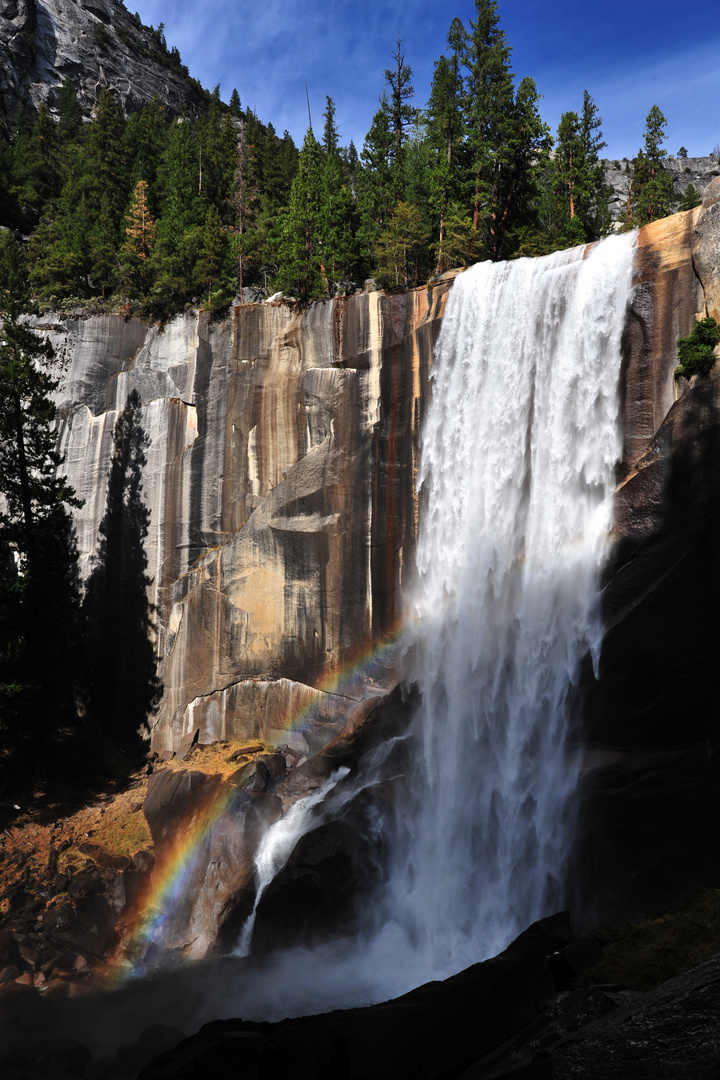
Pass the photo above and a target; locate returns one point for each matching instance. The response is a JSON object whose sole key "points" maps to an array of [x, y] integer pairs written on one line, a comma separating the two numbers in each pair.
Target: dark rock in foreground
{"points": [[438, 1030], [498, 1019]]}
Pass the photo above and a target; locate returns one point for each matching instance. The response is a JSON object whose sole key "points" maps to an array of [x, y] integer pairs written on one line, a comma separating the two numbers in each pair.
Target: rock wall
{"points": [[279, 453], [650, 805], [279, 456], [98, 43], [698, 171]]}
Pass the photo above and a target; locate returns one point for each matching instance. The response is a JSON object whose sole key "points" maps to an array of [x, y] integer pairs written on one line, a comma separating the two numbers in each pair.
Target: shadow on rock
{"points": [[122, 684]]}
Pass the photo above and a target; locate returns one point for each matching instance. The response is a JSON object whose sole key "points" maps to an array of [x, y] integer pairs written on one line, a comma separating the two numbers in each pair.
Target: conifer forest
{"points": [[152, 212]]}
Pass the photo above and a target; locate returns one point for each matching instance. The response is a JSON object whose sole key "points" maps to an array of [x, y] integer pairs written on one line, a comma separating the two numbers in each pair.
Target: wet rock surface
{"points": [[649, 804], [431, 1032]]}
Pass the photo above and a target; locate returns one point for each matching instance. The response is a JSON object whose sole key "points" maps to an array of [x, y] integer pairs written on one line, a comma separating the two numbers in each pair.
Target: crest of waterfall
{"points": [[518, 457]]}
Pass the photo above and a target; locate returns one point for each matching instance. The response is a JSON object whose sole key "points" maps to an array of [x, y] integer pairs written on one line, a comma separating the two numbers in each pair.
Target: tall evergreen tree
{"points": [[375, 184], [401, 113], [445, 128], [330, 132], [400, 246], [490, 111], [70, 116], [39, 602], [521, 160], [337, 207], [593, 203], [144, 143], [301, 267], [234, 106], [137, 249], [36, 170], [651, 192]]}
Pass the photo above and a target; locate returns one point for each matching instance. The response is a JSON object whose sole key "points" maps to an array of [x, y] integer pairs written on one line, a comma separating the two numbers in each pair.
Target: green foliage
{"points": [[229, 203], [651, 192], [691, 198], [642, 954], [401, 115], [39, 587], [137, 250], [696, 351], [399, 246], [302, 271], [573, 206]]}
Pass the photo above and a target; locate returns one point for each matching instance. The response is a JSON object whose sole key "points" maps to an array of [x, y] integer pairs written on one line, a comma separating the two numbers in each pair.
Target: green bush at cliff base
{"points": [[695, 352], [642, 954]]}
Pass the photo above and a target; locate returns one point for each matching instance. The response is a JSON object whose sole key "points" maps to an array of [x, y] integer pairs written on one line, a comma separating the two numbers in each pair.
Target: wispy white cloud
{"points": [[628, 56]]}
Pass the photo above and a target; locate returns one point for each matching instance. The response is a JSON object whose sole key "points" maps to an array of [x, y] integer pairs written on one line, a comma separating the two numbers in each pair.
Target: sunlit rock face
{"points": [[279, 457], [98, 43]]}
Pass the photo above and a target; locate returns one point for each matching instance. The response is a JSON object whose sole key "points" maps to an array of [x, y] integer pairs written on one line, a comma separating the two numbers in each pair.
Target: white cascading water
{"points": [[276, 847], [518, 457], [519, 450]]}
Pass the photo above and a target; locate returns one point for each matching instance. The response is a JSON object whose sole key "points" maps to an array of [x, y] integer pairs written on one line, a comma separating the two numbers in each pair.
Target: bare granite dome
{"points": [[98, 43]]}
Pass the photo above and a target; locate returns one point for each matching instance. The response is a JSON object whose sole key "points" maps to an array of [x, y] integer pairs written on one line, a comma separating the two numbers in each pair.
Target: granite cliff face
{"points": [[280, 449], [98, 43], [650, 798], [280, 453], [698, 171]]}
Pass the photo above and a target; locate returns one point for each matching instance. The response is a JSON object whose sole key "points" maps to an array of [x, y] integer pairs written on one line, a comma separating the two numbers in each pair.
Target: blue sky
{"points": [[629, 55]]}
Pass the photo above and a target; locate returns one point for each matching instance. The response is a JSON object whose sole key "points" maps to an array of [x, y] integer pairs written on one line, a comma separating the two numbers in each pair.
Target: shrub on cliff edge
{"points": [[696, 351]]}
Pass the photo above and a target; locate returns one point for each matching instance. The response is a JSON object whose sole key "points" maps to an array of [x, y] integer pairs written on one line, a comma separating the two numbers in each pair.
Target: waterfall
{"points": [[277, 845], [519, 450], [518, 456]]}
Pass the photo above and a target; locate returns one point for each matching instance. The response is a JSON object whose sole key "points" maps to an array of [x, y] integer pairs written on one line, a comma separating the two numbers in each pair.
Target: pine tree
{"points": [[651, 192], [521, 157], [217, 149], [136, 251], [235, 109], [445, 127], [401, 114], [691, 198], [399, 246], [301, 267], [144, 142], [489, 112], [375, 187], [36, 165], [39, 603], [568, 179], [211, 271], [70, 116], [330, 132], [593, 206], [183, 210], [337, 207]]}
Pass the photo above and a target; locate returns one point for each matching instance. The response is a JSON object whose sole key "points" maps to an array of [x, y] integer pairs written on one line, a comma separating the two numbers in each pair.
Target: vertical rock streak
{"points": [[518, 457]]}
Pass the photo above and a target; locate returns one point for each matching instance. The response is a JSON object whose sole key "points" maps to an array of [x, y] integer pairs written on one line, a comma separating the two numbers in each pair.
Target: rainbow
{"points": [[171, 875]]}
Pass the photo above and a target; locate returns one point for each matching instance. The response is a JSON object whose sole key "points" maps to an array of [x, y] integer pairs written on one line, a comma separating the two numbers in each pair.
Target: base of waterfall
{"points": [[499, 1019], [505, 1017]]}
